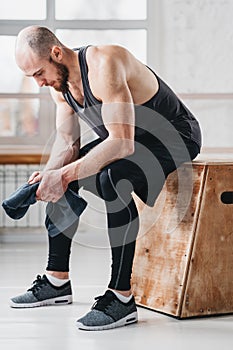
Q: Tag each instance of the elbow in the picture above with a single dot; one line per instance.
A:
(121, 147)
(127, 148)
(75, 153)
(130, 150)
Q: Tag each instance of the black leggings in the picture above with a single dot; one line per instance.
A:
(115, 184)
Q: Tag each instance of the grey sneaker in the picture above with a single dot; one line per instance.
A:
(109, 312)
(43, 293)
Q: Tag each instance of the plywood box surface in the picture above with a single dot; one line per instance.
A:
(183, 264)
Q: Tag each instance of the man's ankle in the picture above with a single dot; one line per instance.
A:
(58, 274)
(125, 293)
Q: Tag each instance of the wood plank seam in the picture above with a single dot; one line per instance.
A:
(190, 253)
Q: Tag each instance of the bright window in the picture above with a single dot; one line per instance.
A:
(27, 113)
(23, 9)
(101, 10)
(12, 79)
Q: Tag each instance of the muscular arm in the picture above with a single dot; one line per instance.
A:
(66, 145)
(118, 117)
(109, 83)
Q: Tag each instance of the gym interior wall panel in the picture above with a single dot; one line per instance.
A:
(215, 117)
(197, 45)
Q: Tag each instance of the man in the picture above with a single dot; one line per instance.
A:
(145, 132)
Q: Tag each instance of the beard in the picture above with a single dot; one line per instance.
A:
(63, 76)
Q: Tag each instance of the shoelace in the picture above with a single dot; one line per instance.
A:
(37, 284)
(102, 302)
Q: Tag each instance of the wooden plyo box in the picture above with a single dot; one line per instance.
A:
(183, 264)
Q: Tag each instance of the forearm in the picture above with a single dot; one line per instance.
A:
(103, 154)
(62, 153)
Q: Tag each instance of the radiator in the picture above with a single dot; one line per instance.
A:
(11, 177)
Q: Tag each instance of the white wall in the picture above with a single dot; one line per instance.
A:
(196, 40)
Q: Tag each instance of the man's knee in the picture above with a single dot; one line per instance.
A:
(113, 186)
(106, 185)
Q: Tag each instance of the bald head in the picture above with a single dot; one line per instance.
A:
(39, 39)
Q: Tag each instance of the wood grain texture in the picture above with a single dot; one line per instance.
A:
(164, 246)
(209, 289)
(23, 158)
(183, 264)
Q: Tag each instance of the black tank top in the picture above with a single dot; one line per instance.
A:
(164, 103)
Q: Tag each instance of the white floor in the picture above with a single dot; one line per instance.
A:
(54, 327)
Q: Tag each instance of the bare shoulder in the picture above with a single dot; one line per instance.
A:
(109, 68)
(109, 61)
(113, 68)
(107, 54)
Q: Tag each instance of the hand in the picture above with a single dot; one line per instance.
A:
(35, 177)
(52, 186)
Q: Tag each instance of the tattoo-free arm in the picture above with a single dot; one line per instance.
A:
(118, 118)
(67, 142)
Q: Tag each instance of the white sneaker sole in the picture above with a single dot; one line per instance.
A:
(64, 300)
(129, 319)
